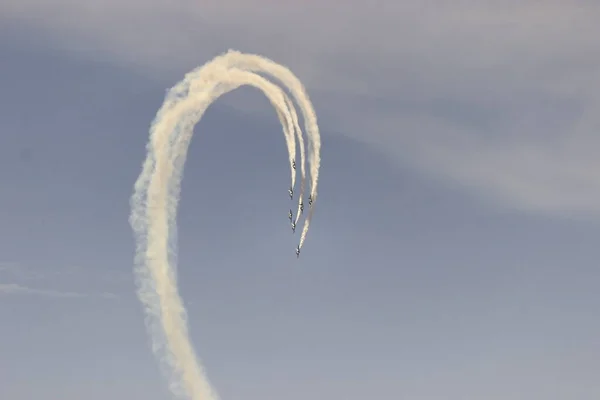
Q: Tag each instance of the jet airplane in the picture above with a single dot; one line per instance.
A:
(290, 215)
(298, 251)
(293, 227)
(294, 164)
(301, 207)
(291, 192)
(310, 200)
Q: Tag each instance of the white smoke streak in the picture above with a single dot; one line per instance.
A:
(256, 63)
(156, 196)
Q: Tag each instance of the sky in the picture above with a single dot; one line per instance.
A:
(451, 255)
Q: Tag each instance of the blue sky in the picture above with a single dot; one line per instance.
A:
(452, 251)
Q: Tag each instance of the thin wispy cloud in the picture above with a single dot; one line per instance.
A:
(27, 273)
(20, 273)
(16, 289)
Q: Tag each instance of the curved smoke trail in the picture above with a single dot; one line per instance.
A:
(256, 63)
(156, 197)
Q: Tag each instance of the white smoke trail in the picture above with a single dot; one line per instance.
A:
(156, 196)
(290, 143)
(302, 156)
(251, 62)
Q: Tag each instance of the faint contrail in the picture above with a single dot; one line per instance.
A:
(156, 196)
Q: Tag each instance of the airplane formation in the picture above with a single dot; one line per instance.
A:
(291, 215)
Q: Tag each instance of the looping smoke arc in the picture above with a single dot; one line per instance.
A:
(156, 196)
